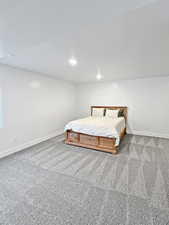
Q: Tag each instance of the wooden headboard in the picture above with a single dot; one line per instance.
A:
(124, 108)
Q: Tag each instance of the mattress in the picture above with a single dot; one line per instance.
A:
(98, 126)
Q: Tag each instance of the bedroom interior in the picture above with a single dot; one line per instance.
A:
(84, 125)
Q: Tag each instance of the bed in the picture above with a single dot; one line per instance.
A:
(98, 132)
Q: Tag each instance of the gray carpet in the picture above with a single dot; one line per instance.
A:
(53, 183)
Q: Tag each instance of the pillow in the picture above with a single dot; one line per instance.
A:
(113, 113)
(98, 112)
(121, 113)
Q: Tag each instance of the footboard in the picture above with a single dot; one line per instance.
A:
(93, 142)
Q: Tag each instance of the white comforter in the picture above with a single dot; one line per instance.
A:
(98, 126)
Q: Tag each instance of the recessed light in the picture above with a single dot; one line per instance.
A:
(10, 55)
(73, 61)
(99, 76)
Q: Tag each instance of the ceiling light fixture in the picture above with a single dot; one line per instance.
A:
(10, 55)
(73, 61)
(99, 76)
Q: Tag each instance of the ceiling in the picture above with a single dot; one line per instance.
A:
(124, 39)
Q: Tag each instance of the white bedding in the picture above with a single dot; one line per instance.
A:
(98, 126)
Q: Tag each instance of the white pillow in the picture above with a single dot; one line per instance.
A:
(98, 112)
(112, 113)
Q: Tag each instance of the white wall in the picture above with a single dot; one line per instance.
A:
(147, 101)
(33, 108)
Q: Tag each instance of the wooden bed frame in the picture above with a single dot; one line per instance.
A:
(96, 142)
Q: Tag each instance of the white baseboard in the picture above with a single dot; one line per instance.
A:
(29, 144)
(147, 133)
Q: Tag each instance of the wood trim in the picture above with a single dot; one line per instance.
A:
(92, 147)
(93, 142)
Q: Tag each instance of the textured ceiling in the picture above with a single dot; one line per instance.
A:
(125, 39)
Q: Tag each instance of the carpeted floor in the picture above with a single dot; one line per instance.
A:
(53, 183)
